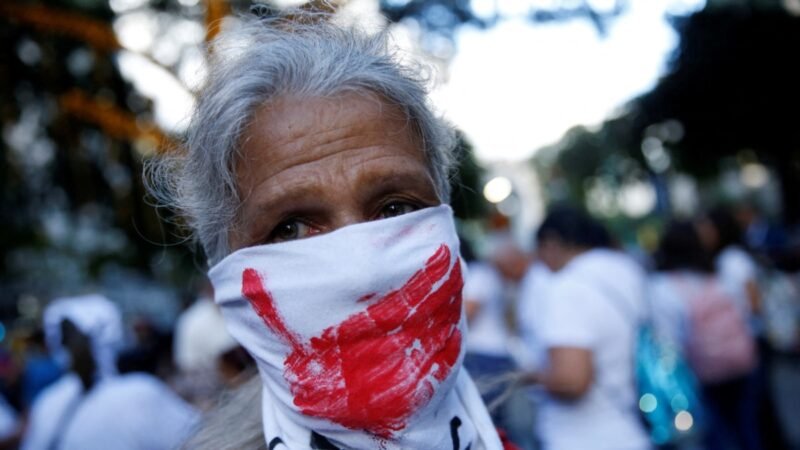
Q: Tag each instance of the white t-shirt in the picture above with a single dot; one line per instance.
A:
(47, 412)
(735, 268)
(130, 412)
(669, 302)
(487, 332)
(594, 303)
(532, 292)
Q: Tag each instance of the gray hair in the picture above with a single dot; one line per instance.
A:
(234, 423)
(259, 61)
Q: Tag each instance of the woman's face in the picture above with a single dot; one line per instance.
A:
(312, 165)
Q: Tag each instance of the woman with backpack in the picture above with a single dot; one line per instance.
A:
(692, 308)
(583, 332)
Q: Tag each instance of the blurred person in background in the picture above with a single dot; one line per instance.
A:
(484, 302)
(512, 262)
(40, 368)
(585, 329)
(73, 349)
(737, 270)
(91, 407)
(490, 289)
(316, 180)
(10, 426)
(205, 353)
(10, 418)
(532, 291)
(757, 232)
(150, 352)
(743, 245)
(693, 308)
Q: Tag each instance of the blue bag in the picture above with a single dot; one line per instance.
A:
(669, 394)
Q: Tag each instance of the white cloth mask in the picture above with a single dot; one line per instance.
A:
(358, 336)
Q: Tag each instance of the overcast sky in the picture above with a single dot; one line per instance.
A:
(520, 86)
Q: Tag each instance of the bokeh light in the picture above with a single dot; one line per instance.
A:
(684, 421)
(648, 403)
(497, 189)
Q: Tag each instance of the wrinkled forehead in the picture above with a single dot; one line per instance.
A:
(294, 130)
(287, 118)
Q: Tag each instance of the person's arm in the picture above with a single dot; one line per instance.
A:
(569, 375)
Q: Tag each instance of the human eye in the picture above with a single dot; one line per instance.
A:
(396, 208)
(290, 230)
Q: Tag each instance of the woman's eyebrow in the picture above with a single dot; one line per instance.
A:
(405, 179)
(267, 204)
(271, 194)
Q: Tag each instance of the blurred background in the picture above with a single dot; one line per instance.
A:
(641, 111)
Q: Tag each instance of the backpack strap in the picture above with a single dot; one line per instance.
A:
(621, 305)
(617, 300)
(66, 419)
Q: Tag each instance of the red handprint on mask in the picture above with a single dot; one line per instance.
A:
(375, 369)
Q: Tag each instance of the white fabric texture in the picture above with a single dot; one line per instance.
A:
(95, 316)
(579, 310)
(48, 412)
(201, 337)
(357, 335)
(129, 412)
(487, 333)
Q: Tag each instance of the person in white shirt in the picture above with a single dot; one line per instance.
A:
(585, 330)
(84, 333)
(485, 308)
(490, 288)
(694, 309)
(91, 407)
(132, 412)
(200, 344)
(737, 270)
(532, 292)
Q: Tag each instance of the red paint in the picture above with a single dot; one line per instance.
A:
(366, 297)
(372, 371)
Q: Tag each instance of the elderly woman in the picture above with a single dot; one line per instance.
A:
(315, 179)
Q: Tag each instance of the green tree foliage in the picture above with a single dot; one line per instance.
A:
(72, 194)
(732, 85)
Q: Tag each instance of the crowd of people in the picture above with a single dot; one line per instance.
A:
(88, 380)
(705, 295)
(551, 341)
(344, 311)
